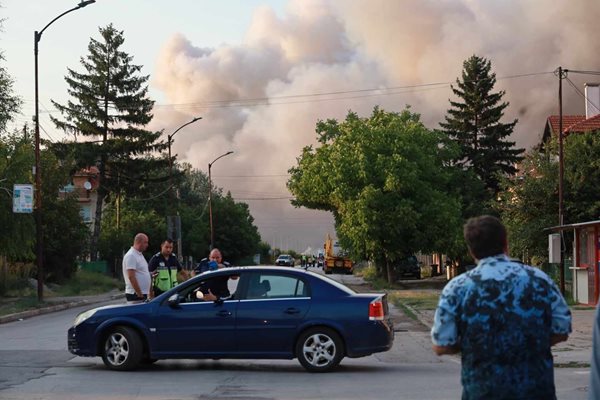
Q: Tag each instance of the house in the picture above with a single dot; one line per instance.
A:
(84, 188)
(577, 123)
(586, 260)
(583, 273)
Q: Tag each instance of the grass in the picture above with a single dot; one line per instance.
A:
(11, 306)
(572, 364)
(83, 283)
(416, 299)
(86, 283)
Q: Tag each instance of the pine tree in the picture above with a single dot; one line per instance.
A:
(474, 123)
(110, 108)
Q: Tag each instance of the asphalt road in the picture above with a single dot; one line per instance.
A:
(35, 364)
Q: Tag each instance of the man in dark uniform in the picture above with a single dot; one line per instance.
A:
(163, 267)
(215, 288)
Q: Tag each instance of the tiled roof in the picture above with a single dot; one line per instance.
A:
(568, 121)
(590, 124)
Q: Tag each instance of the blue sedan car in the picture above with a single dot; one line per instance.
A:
(272, 313)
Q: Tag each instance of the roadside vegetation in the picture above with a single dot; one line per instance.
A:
(22, 296)
(408, 300)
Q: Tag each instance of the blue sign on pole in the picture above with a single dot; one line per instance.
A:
(22, 199)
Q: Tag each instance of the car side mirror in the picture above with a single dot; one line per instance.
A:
(174, 300)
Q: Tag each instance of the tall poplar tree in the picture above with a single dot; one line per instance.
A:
(474, 123)
(109, 107)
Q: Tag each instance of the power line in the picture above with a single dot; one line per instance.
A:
(574, 71)
(47, 134)
(581, 93)
(381, 91)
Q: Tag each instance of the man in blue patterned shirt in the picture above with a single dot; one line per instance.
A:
(503, 316)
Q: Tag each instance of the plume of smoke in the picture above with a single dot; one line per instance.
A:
(339, 46)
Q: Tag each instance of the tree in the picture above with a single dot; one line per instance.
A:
(385, 178)
(9, 104)
(110, 106)
(474, 124)
(17, 236)
(235, 232)
(529, 203)
(65, 234)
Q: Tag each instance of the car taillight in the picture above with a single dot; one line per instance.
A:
(376, 312)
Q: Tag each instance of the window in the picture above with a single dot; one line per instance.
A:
(86, 214)
(223, 286)
(271, 286)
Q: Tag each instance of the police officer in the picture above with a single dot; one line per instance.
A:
(215, 288)
(163, 267)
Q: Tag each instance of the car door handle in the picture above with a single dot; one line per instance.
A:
(224, 313)
(292, 310)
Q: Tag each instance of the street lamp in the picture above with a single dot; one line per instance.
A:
(37, 36)
(212, 231)
(169, 141)
(176, 220)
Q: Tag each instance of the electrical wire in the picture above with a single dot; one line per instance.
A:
(381, 91)
(581, 93)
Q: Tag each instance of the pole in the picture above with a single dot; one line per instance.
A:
(561, 181)
(39, 249)
(178, 250)
(212, 231)
(170, 164)
(39, 233)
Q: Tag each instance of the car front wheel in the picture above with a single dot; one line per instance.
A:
(123, 349)
(319, 349)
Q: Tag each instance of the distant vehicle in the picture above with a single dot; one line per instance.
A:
(286, 260)
(336, 258)
(408, 266)
(274, 313)
(320, 259)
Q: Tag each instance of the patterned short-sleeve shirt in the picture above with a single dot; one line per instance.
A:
(502, 315)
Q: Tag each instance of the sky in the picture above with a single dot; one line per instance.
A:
(262, 73)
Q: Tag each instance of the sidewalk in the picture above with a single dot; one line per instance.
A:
(576, 352)
(63, 303)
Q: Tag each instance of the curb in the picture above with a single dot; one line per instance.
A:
(58, 307)
(420, 318)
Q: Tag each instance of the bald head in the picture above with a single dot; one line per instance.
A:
(140, 242)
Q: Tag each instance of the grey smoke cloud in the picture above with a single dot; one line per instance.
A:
(322, 46)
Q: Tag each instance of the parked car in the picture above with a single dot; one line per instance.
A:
(408, 266)
(274, 313)
(286, 260)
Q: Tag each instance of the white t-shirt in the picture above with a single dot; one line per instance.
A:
(134, 259)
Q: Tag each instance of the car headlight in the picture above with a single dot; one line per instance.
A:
(83, 316)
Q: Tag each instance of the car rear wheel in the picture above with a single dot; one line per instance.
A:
(319, 349)
(123, 349)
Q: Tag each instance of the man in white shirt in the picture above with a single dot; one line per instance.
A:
(135, 271)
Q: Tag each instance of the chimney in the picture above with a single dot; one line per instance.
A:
(592, 99)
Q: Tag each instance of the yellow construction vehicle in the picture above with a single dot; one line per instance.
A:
(336, 259)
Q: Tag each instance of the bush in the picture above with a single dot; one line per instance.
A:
(14, 278)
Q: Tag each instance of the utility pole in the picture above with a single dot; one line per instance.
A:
(561, 221)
